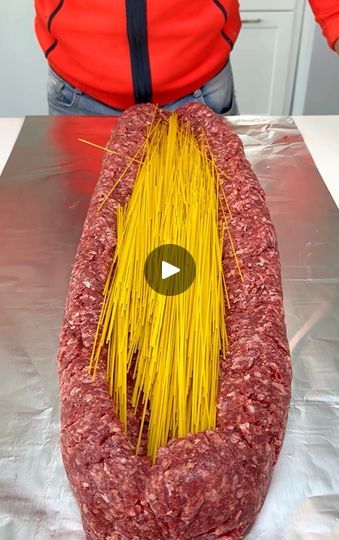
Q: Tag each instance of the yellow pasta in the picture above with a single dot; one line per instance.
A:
(170, 345)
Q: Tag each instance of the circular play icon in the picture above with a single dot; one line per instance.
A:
(170, 269)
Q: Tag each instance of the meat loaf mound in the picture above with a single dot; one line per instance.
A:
(211, 484)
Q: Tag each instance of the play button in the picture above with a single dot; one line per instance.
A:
(170, 269)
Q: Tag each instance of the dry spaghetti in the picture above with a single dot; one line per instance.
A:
(170, 345)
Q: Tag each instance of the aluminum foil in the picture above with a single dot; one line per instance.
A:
(44, 195)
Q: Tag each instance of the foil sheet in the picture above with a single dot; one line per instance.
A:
(44, 195)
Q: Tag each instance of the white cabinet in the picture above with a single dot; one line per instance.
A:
(267, 5)
(264, 57)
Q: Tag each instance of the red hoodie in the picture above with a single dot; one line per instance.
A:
(123, 52)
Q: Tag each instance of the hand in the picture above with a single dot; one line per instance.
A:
(336, 46)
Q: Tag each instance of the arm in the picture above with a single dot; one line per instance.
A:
(326, 13)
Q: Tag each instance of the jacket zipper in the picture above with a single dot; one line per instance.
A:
(228, 39)
(49, 24)
(222, 8)
(136, 16)
(53, 14)
(224, 12)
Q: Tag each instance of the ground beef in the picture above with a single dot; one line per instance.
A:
(208, 485)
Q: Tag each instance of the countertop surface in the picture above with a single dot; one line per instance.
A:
(321, 135)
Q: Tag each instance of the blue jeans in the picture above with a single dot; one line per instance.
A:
(217, 93)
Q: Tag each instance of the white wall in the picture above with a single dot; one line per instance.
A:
(322, 92)
(23, 69)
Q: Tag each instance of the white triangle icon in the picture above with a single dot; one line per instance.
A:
(168, 270)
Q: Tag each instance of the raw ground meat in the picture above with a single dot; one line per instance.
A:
(208, 485)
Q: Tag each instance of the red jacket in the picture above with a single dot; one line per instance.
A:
(123, 52)
(326, 13)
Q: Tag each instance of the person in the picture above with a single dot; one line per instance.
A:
(105, 55)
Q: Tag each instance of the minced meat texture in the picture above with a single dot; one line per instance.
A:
(211, 484)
